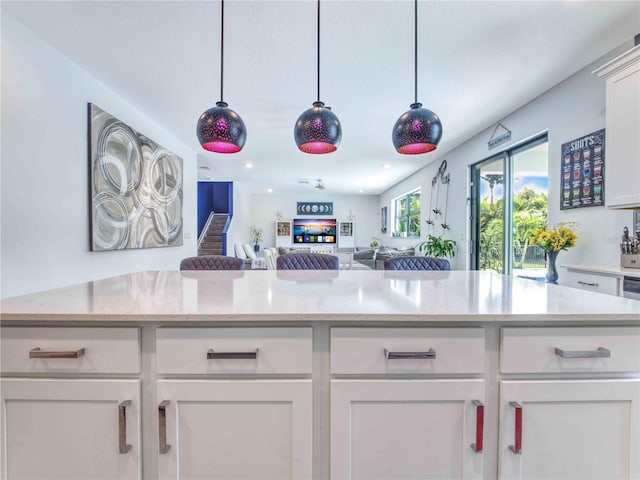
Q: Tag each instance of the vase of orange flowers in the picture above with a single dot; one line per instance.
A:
(552, 241)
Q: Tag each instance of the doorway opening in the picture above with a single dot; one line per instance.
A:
(509, 201)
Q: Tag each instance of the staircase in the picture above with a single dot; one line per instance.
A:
(211, 239)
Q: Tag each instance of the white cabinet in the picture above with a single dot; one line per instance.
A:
(406, 429)
(568, 427)
(223, 429)
(244, 425)
(346, 239)
(283, 234)
(589, 350)
(60, 424)
(593, 282)
(394, 427)
(582, 429)
(71, 429)
(622, 187)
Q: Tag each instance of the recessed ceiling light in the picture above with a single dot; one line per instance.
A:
(269, 190)
(386, 165)
(361, 190)
(248, 165)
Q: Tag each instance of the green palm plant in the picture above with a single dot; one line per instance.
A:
(437, 247)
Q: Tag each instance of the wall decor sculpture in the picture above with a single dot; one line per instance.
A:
(383, 220)
(135, 187)
(315, 208)
(439, 213)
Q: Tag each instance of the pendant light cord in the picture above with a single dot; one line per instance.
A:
(415, 51)
(318, 50)
(221, 50)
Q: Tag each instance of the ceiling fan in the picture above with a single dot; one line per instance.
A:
(319, 185)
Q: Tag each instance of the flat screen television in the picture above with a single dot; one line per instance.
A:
(314, 230)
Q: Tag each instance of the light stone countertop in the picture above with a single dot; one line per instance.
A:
(338, 296)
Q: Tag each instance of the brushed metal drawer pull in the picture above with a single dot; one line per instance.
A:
(37, 353)
(588, 284)
(122, 427)
(211, 355)
(162, 426)
(477, 447)
(429, 354)
(516, 448)
(599, 353)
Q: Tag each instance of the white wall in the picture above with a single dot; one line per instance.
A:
(239, 229)
(45, 193)
(363, 209)
(569, 110)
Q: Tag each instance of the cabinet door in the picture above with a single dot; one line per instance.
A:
(623, 142)
(345, 235)
(70, 429)
(236, 429)
(283, 233)
(580, 429)
(397, 429)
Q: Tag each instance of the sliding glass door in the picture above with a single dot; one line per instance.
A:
(509, 201)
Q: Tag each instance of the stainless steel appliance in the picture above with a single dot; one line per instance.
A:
(631, 287)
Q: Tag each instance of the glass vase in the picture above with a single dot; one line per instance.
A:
(552, 271)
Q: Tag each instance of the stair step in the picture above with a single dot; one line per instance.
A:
(209, 252)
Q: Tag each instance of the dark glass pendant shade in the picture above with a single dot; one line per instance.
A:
(221, 130)
(318, 130)
(418, 130)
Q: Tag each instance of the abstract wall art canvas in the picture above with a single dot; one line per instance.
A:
(135, 187)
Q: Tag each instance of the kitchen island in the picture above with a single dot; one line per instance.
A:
(320, 374)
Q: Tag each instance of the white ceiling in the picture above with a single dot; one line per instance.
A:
(478, 61)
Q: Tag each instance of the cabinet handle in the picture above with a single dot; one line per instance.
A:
(162, 426)
(122, 427)
(211, 355)
(588, 284)
(517, 447)
(429, 354)
(477, 447)
(37, 353)
(599, 353)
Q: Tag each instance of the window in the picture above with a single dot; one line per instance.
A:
(509, 198)
(407, 215)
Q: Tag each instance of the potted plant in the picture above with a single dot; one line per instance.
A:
(552, 241)
(375, 243)
(256, 233)
(437, 247)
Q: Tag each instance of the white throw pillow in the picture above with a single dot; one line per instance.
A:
(239, 251)
(248, 249)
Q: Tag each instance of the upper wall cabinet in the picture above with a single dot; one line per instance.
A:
(622, 179)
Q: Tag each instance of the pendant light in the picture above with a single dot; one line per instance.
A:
(220, 129)
(418, 130)
(318, 129)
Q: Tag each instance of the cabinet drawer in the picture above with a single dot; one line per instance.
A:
(389, 350)
(533, 350)
(234, 350)
(70, 350)
(591, 282)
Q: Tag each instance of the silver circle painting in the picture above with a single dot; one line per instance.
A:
(136, 188)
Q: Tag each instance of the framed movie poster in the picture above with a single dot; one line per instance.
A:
(582, 181)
